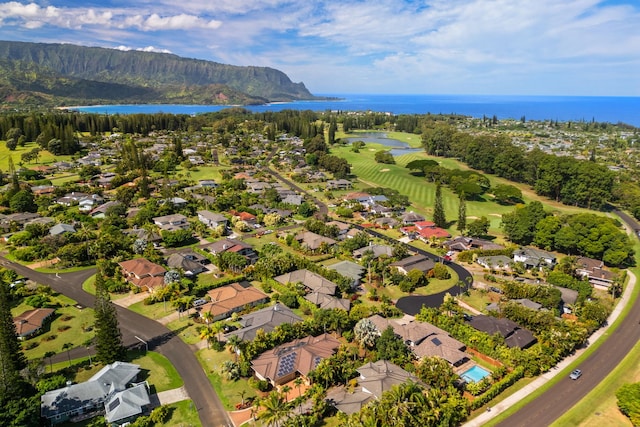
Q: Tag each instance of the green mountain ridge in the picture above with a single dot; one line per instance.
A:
(64, 74)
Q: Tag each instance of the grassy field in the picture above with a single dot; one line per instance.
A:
(228, 391)
(422, 193)
(45, 156)
(70, 325)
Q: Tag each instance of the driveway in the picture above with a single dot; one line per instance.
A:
(158, 338)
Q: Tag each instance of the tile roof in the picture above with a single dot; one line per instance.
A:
(301, 356)
(227, 299)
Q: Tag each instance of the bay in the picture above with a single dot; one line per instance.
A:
(561, 108)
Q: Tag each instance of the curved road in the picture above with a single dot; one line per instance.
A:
(548, 407)
(158, 337)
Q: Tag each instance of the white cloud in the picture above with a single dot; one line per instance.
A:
(142, 49)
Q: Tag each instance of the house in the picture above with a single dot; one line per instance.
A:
(247, 217)
(237, 246)
(375, 251)
(415, 262)
(181, 262)
(207, 183)
(349, 269)
(343, 228)
(171, 222)
(462, 243)
(425, 230)
(59, 229)
(375, 379)
(299, 357)
(72, 198)
(313, 241)
(101, 211)
(31, 322)
(514, 335)
(232, 298)
(497, 262)
(178, 202)
(410, 218)
(41, 190)
(386, 222)
(18, 218)
(212, 219)
(424, 339)
(339, 184)
(313, 282)
(293, 199)
(257, 187)
(142, 233)
(266, 319)
(534, 258)
(320, 291)
(142, 273)
(112, 390)
(594, 271)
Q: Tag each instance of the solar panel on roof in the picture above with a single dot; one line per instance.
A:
(316, 361)
(113, 405)
(436, 341)
(286, 365)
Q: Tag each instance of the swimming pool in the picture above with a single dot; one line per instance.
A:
(475, 374)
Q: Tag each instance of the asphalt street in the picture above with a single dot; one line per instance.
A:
(548, 407)
(132, 325)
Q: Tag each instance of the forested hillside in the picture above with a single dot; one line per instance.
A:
(38, 73)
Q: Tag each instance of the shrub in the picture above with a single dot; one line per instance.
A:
(63, 328)
(629, 401)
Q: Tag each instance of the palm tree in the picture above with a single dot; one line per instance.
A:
(207, 334)
(285, 390)
(67, 346)
(298, 383)
(49, 355)
(207, 316)
(242, 394)
(233, 343)
(275, 409)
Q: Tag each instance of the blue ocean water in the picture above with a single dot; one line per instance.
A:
(561, 108)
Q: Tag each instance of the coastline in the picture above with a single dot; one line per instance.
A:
(577, 109)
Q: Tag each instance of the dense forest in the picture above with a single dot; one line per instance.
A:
(61, 74)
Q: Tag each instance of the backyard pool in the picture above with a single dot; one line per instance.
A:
(474, 374)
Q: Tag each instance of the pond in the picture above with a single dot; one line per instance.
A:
(398, 148)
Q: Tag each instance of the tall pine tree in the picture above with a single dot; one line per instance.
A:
(462, 214)
(12, 359)
(109, 347)
(438, 209)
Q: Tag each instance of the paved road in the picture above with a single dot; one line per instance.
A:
(158, 337)
(544, 410)
(413, 303)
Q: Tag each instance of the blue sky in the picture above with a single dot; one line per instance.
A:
(537, 47)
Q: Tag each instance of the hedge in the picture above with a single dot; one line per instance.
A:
(497, 388)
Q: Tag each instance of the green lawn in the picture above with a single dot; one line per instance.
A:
(70, 325)
(203, 172)
(45, 156)
(183, 414)
(186, 329)
(228, 391)
(422, 193)
(89, 287)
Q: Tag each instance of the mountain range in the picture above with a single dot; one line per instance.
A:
(44, 74)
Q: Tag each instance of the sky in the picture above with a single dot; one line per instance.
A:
(494, 47)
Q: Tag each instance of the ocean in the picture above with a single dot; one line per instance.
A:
(560, 108)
